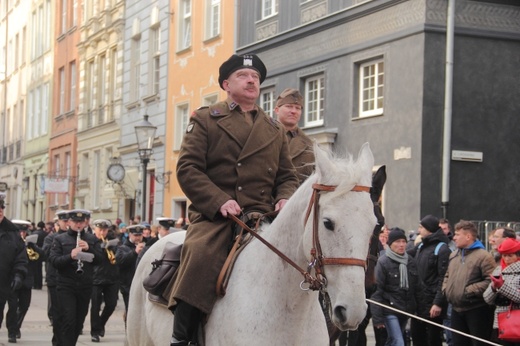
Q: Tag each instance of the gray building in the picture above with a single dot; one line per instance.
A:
(144, 93)
(375, 71)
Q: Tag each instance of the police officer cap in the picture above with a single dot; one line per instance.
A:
(79, 214)
(237, 62)
(135, 229)
(62, 214)
(102, 223)
(289, 96)
(22, 225)
(166, 222)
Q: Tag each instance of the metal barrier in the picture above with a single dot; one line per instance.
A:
(486, 227)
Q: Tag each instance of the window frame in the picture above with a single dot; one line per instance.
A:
(271, 6)
(212, 19)
(181, 121)
(318, 100)
(378, 88)
(185, 25)
(267, 105)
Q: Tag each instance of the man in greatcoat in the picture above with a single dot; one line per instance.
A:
(288, 110)
(234, 158)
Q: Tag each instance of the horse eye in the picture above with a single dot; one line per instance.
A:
(329, 224)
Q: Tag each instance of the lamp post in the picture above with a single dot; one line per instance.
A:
(145, 133)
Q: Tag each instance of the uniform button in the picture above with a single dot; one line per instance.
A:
(262, 192)
(269, 170)
(239, 188)
(239, 164)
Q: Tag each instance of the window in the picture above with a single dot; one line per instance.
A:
(56, 174)
(371, 87)
(83, 172)
(181, 122)
(314, 100)
(24, 37)
(68, 172)
(74, 12)
(212, 18)
(37, 113)
(61, 74)
(267, 101)
(89, 94)
(17, 51)
(45, 109)
(135, 77)
(72, 95)
(30, 115)
(95, 179)
(101, 88)
(184, 38)
(269, 8)
(63, 16)
(155, 59)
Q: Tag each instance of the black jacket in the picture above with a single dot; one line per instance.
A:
(432, 269)
(389, 292)
(60, 258)
(106, 273)
(126, 258)
(50, 272)
(13, 256)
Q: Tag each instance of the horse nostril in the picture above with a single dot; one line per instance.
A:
(341, 314)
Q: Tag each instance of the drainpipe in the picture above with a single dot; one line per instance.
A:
(448, 100)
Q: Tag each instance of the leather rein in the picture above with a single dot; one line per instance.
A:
(318, 261)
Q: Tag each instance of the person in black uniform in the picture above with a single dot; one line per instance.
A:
(20, 300)
(106, 282)
(13, 266)
(126, 258)
(36, 267)
(62, 219)
(75, 267)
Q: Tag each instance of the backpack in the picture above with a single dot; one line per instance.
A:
(437, 248)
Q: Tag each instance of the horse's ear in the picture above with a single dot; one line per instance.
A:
(378, 181)
(366, 159)
(322, 161)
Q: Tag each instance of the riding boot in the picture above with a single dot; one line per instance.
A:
(185, 324)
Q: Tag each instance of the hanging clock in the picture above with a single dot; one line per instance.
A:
(116, 172)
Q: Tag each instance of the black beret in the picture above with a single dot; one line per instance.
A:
(79, 214)
(237, 62)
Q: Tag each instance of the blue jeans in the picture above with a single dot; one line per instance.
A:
(395, 326)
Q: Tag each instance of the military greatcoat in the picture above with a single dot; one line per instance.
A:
(302, 153)
(222, 157)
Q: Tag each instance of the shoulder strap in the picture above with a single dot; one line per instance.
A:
(438, 247)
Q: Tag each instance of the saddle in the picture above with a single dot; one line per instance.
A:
(163, 269)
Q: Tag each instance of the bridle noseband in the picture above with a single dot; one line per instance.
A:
(318, 261)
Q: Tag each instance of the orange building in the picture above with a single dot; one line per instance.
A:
(201, 39)
(63, 143)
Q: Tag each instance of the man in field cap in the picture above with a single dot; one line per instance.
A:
(233, 158)
(288, 110)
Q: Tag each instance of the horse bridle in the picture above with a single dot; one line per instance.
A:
(318, 261)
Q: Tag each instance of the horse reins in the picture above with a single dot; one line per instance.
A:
(318, 261)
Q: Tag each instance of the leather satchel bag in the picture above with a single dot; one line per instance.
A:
(163, 269)
(509, 325)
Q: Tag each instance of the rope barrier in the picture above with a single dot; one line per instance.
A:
(430, 322)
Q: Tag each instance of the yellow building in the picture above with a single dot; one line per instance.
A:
(201, 38)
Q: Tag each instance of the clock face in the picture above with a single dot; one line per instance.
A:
(116, 172)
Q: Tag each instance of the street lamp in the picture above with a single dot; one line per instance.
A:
(145, 133)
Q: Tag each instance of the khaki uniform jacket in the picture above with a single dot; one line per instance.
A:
(223, 158)
(302, 153)
(467, 278)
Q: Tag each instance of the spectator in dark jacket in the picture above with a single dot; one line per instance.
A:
(36, 267)
(397, 287)
(432, 257)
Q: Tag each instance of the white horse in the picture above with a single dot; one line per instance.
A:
(264, 302)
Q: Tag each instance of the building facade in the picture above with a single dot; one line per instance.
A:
(145, 66)
(197, 51)
(100, 105)
(13, 92)
(374, 71)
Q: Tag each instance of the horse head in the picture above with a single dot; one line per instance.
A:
(345, 223)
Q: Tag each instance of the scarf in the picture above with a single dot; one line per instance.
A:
(403, 270)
